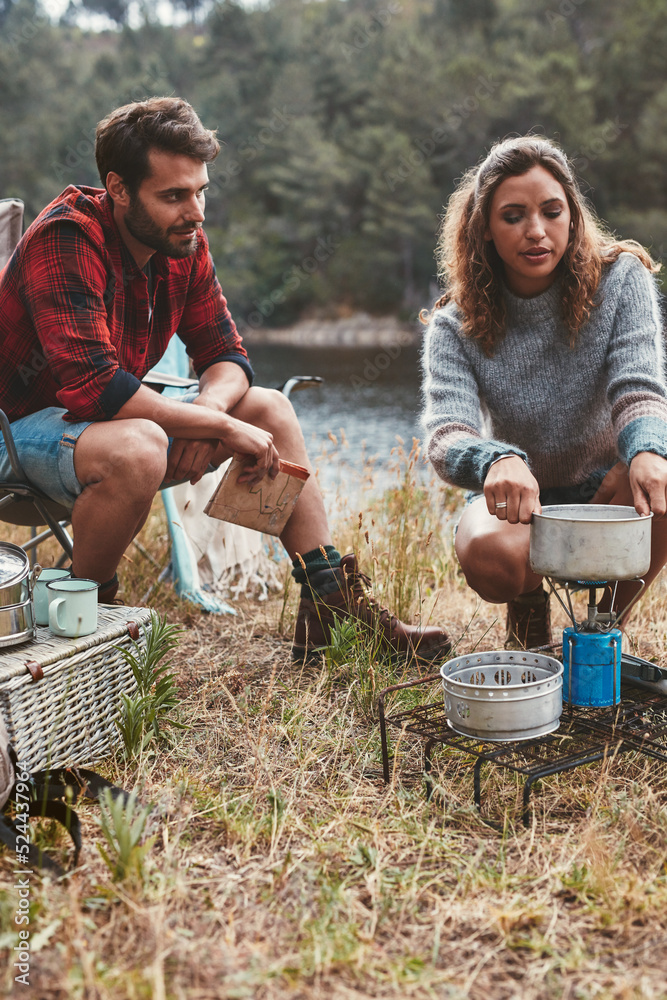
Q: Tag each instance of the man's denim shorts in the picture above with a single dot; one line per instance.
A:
(45, 445)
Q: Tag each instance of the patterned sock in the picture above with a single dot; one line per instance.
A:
(314, 562)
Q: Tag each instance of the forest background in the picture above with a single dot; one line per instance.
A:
(345, 123)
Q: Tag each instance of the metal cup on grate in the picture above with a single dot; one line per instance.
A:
(503, 696)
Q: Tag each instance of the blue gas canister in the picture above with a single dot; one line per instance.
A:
(592, 667)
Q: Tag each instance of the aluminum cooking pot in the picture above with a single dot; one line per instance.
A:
(16, 577)
(590, 542)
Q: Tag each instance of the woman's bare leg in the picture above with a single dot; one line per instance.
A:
(628, 591)
(494, 555)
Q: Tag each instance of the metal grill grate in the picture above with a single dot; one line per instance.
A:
(639, 724)
(585, 736)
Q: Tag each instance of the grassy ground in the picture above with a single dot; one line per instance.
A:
(277, 864)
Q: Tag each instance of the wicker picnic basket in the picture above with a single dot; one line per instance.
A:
(60, 697)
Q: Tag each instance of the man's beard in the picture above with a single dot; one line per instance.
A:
(143, 227)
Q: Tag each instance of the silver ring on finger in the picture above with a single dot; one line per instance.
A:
(501, 506)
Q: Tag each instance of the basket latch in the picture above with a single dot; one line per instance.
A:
(34, 669)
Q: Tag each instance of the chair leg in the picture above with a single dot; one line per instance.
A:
(55, 528)
(62, 537)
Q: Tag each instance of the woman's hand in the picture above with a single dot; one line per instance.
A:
(511, 490)
(648, 481)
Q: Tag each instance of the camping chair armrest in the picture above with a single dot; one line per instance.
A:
(297, 382)
(162, 380)
(12, 454)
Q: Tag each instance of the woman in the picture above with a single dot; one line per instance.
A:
(543, 371)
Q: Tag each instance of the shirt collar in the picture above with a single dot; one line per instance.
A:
(160, 263)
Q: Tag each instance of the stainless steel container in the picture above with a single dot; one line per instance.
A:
(16, 581)
(16, 624)
(503, 696)
(15, 574)
(590, 542)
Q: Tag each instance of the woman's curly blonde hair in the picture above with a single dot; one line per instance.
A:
(469, 267)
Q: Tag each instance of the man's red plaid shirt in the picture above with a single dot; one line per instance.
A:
(76, 326)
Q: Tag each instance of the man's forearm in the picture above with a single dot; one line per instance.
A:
(222, 386)
(178, 420)
(201, 423)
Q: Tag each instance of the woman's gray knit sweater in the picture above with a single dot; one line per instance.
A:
(567, 411)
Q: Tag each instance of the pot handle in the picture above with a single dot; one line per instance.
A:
(32, 579)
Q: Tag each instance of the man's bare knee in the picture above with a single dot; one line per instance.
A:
(129, 453)
(266, 408)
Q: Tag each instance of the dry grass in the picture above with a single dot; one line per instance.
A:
(282, 866)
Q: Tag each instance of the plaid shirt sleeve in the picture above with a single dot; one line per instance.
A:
(63, 288)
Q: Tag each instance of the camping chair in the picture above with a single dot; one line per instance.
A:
(21, 503)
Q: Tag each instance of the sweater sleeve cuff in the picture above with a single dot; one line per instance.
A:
(466, 461)
(643, 434)
(237, 359)
(496, 452)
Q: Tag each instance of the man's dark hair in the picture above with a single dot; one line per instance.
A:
(124, 138)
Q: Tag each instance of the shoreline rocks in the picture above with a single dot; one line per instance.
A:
(358, 330)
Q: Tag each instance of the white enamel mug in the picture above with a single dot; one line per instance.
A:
(72, 607)
(40, 594)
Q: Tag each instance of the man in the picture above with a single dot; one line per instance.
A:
(88, 303)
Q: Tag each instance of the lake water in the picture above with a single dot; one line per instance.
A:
(368, 401)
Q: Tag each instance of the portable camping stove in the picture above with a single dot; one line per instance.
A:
(592, 652)
(591, 546)
(599, 721)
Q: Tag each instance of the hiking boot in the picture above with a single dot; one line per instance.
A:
(529, 620)
(106, 593)
(345, 593)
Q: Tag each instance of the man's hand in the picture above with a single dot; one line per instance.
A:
(221, 386)
(258, 448)
(511, 490)
(648, 481)
(189, 459)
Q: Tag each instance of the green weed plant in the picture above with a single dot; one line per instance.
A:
(123, 822)
(144, 715)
